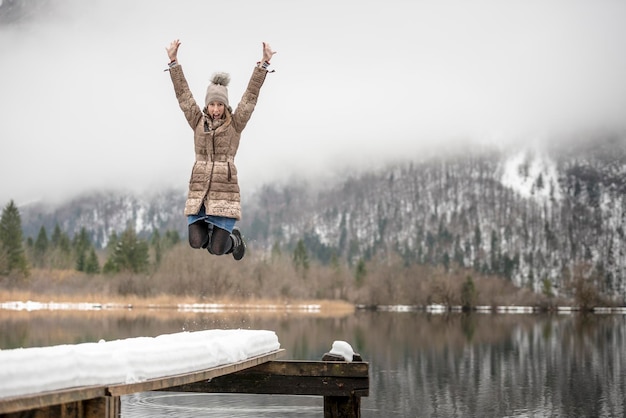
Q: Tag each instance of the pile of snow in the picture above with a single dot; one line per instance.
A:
(26, 371)
(342, 349)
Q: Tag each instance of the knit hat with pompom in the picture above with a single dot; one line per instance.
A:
(217, 90)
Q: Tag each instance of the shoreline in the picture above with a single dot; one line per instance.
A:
(29, 301)
(33, 301)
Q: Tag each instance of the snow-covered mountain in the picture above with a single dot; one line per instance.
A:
(102, 213)
(532, 215)
(554, 215)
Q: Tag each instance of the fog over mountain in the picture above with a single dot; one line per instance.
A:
(552, 218)
(86, 105)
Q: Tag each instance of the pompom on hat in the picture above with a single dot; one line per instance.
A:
(217, 90)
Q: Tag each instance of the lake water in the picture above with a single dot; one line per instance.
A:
(421, 365)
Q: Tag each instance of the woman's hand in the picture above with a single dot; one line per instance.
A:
(172, 50)
(267, 52)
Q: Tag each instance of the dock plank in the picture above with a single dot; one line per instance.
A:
(192, 377)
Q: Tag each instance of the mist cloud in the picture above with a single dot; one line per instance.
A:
(85, 103)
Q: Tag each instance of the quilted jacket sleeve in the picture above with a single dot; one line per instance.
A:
(246, 106)
(188, 105)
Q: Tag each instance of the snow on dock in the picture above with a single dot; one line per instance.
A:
(26, 371)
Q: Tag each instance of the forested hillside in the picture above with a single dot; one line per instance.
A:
(546, 219)
(550, 219)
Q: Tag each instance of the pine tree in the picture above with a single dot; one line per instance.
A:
(109, 266)
(92, 266)
(495, 252)
(81, 244)
(130, 254)
(171, 238)
(468, 293)
(477, 242)
(156, 244)
(61, 254)
(40, 247)
(81, 261)
(112, 243)
(301, 257)
(56, 236)
(360, 273)
(11, 241)
(81, 241)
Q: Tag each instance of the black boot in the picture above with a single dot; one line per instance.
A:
(239, 246)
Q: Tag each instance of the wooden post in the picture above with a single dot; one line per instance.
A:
(68, 403)
(101, 407)
(342, 406)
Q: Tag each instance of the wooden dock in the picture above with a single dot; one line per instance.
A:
(342, 384)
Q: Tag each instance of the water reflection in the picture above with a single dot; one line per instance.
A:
(421, 365)
(190, 405)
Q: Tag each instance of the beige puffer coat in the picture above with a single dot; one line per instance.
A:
(214, 175)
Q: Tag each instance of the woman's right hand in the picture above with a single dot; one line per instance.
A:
(172, 50)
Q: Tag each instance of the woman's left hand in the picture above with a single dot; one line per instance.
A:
(267, 52)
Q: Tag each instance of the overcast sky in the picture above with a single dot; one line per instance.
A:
(85, 103)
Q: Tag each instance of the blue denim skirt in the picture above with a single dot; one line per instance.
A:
(219, 221)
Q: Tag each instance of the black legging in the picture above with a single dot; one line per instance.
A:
(215, 239)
